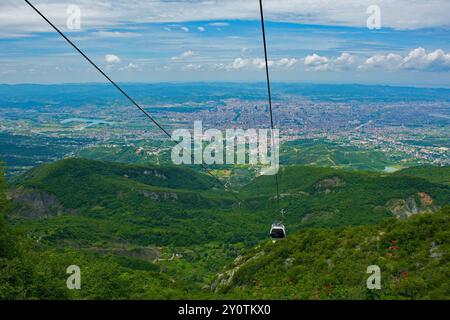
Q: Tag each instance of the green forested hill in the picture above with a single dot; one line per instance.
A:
(86, 202)
(93, 203)
(163, 232)
(60, 175)
(430, 173)
(326, 197)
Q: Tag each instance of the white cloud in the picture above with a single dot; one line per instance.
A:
(111, 59)
(345, 61)
(317, 63)
(419, 59)
(185, 29)
(257, 63)
(201, 29)
(191, 67)
(261, 63)
(219, 24)
(388, 62)
(18, 18)
(186, 54)
(239, 63)
(286, 63)
(130, 67)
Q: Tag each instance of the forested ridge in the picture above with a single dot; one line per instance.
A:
(149, 232)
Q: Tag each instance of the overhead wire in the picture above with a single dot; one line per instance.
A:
(269, 96)
(152, 119)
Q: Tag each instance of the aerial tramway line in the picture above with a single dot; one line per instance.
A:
(277, 230)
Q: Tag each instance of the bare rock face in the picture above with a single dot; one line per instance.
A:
(36, 204)
(155, 173)
(150, 254)
(435, 252)
(405, 208)
(329, 185)
(425, 199)
(159, 196)
(223, 280)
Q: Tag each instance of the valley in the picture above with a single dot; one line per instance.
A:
(364, 180)
(357, 127)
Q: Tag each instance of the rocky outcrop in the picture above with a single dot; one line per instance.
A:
(155, 173)
(435, 251)
(329, 185)
(36, 204)
(159, 196)
(425, 199)
(405, 208)
(144, 253)
(223, 280)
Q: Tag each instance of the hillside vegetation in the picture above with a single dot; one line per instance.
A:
(413, 256)
(151, 232)
(433, 174)
(326, 197)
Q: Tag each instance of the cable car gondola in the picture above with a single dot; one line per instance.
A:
(277, 231)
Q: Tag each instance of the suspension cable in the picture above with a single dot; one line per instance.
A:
(124, 93)
(269, 95)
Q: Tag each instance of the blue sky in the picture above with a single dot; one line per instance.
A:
(198, 40)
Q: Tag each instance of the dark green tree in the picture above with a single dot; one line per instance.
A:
(3, 200)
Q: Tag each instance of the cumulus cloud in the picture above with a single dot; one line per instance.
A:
(345, 61)
(261, 63)
(388, 62)
(258, 63)
(239, 63)
(112, 59)
(420, 59)
(417, 60)
(287, 63)
(316, 62)
(130, 67)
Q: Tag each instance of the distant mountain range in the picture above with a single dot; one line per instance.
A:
(103, 94)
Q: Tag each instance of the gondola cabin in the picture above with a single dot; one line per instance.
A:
(277, 231)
